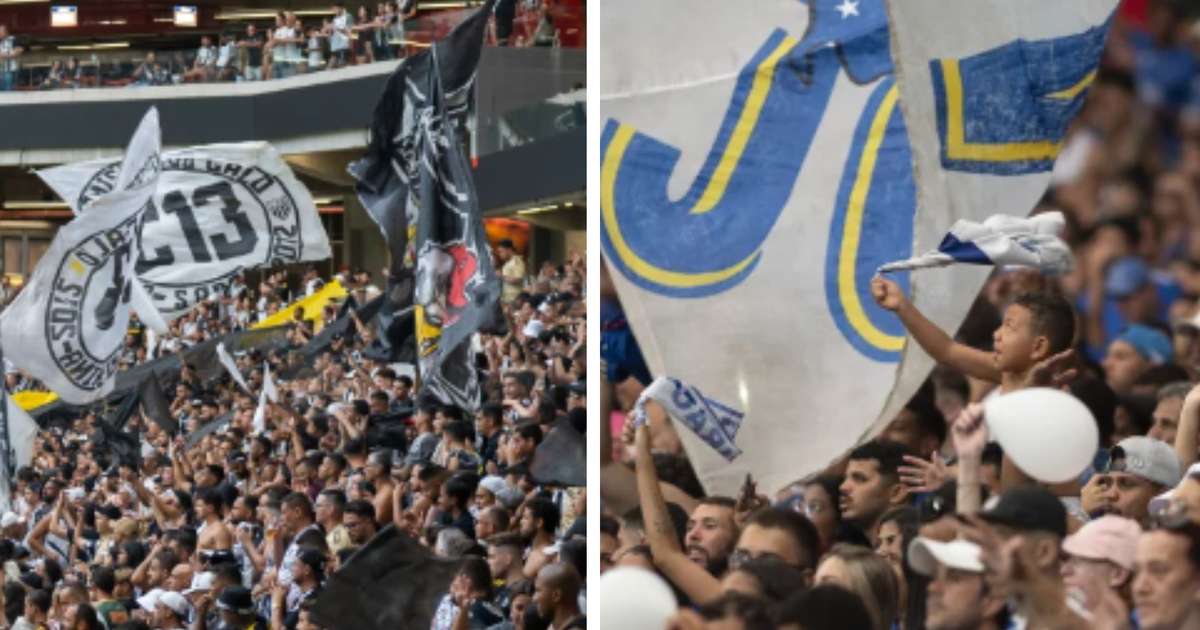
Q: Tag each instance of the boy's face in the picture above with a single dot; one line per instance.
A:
(1014, 342)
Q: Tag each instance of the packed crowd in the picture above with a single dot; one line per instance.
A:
(284, 49)
(932, 524)
(238, 521)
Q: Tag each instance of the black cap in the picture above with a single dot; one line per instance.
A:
(236, 599)
(578, 388)
(111, 512)
(1029, 508)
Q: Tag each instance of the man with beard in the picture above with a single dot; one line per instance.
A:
(504, 559)
(556, 595)
(538, 524)
(1139, 469)
(359, 519)
(711, 533)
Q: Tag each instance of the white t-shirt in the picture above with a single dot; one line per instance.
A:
(285, 53)
(339, 39)
(206, 55)
(224, 55)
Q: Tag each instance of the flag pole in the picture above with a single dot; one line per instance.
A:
(6, 470)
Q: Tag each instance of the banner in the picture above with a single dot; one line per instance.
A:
(67, 327)
(416, 172)
(218, 209)
(754, 176)
(310, 307)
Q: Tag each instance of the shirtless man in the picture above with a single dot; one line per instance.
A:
(214, 534)
(378, 472)
(538, 524)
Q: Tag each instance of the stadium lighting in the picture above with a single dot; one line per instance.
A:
(3, 2)
(34, 205)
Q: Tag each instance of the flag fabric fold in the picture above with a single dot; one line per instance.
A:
(391, 582)
(155, 405)
(415, 182)
(1000, 240)
(67, 327)
(231, 367)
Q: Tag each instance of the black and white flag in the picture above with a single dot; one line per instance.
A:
(416, 180)
(218, 209)
(67, 327)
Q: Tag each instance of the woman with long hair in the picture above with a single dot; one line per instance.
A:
(897, 529)
(866, 574)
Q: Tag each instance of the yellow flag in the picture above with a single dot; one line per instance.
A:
(31, 399)
(311, 306)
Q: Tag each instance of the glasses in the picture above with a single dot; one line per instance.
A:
(740, 557)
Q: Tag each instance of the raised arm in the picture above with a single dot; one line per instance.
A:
(932, 339)
(690, 577)
(1186, 431)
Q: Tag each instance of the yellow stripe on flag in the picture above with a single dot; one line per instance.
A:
(311, 307)
(31, 399)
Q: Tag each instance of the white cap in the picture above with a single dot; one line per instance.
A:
(533, 328)
(925, 554)
(150, 600)
(1148, 458)
(9, 519)
(493, 484)
(1157, 503)
(175, 602)
(201, 582)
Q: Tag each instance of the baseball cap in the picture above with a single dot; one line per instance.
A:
(1146, 457)
(1029, 508)
(1110, 537)
(1152, 344)
(1156, 504)
(236, 599)
(174, 601)
(150, 599)
(493, 484)
(925, 554)
(1125, 276)
(201, 582)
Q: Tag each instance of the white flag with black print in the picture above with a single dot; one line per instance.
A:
(67, 327)
(218, 209)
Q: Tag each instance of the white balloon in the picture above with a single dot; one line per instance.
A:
(634, 599)
(1048, 434)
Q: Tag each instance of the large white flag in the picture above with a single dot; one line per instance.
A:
(67, 326)
(756, 170)
(218, 209)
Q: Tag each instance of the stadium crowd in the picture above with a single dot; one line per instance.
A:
(287, 47)
(238, 521)
(931, 524)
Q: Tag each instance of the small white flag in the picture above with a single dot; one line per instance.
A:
(1000, 240)
(231, 367)
(269, 389)
(260, 414)
(712, 421)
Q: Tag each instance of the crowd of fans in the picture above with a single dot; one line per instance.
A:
(931, 524)
(241, 526)
(288, 47)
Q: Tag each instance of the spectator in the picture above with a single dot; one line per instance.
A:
(339, 36)
(10, 54)
(204, 68)
(363, 36)
(252, 46)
